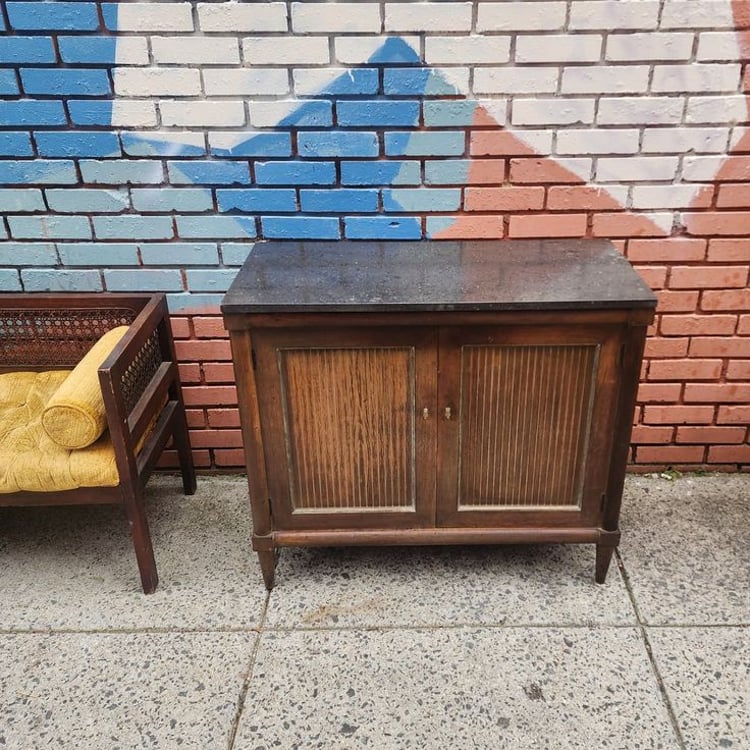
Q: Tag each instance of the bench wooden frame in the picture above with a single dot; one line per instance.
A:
(140, 384)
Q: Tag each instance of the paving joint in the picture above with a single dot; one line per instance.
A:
(248, 676)
(649, 652)
(455, 626)
(125, 631)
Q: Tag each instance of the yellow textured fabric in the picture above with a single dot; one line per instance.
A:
(75, 416)
(29, 459)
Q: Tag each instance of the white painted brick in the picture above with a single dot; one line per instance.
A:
(684, 140)
(738, 134)
(228, 139)
(353, 50)
(637, 168)
(269, 114)
(458, 78)
(609, 79)
(615, 191)
(311, 81)
(593, 141)
(515, 80)
(583, 167)
(241, 17)
(245, 81)
(560, 48)
(718, 45)
(202, 113)
(701, 168)
(663, 220)
(716, 109)
(521, 16)
(539, 140)
(676, 45)
(496, 108)
(614, 14)
(637, 110)
(311, 50)
(174, 138)
(335, 17)
(131, 50)
(696, 77)
(211, 50)
(467, 49)
(694, 14)
(437, 16)
(154, 17)
(662, 196)
(133, 114)
(157, 82)
(553, 111)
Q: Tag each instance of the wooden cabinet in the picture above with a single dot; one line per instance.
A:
(429, 393)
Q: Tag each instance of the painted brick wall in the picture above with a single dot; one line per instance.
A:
(147, 145)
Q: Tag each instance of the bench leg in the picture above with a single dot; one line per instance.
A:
(184, 452)
(144, 551)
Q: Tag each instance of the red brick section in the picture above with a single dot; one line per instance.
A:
(509, 198)
(702, 307)
(484, 226)
(209, 391)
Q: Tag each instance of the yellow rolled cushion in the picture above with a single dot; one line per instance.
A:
(74, 417)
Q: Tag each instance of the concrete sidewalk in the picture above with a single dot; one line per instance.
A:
(487, 647)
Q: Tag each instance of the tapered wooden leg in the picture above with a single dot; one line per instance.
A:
(184, 451)
(267, 559)
(144, 551)
(603, 558)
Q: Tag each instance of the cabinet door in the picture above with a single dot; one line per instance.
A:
(526, 420)
(348, 426)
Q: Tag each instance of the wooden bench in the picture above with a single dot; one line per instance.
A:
(140, 388)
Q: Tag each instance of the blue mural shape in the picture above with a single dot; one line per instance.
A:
(346, 162)
(339, 168)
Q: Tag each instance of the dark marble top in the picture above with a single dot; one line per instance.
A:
(340, 276)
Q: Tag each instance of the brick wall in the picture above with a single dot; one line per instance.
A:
(146, 146)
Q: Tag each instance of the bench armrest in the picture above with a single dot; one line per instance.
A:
(140, 386)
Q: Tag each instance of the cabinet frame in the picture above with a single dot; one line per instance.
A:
(253, 333)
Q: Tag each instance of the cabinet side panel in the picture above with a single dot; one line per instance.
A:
(349, 428)
(525, 419)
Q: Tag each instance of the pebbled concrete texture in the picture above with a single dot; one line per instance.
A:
(73, 568)
(706, 672)
(121, 690)
(514, 687)
(376, 648)
(686, 549)
(439, 586)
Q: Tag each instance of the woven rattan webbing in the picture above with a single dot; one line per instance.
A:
(140, 371)
(54, 338)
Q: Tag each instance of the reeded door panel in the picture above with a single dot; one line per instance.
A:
(349, 442)
(523, 439)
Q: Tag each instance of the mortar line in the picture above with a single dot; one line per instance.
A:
(248, 676)
(649, 652)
